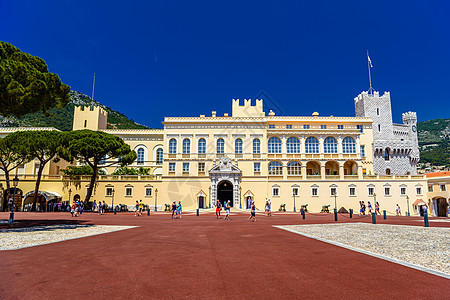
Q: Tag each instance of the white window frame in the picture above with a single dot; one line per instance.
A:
(276, 188)
(442, 187)
(389, 189)
(368, 190)
(421, 190)
(109, 191)
(295, 190)
(128, 188)
(406, 190)
(350, 187)
(315, 188)
(186, 168)
(148, 188)
(172, 164)
(333, 188)
(257, 170)
(201, 170)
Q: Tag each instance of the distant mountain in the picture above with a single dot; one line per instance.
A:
(62, 119)
(434, 142)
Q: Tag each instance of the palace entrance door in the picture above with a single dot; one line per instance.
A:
(225, 192)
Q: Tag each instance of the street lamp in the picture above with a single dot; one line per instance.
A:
(1, 196)
(240, 197)
(11, 215)
(407, 201)
(112, 200)
(156, 200)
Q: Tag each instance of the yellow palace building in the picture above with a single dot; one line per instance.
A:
(250, 155)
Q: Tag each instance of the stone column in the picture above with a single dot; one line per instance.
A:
(360, 173)
(322, 170)
(303, 171)
(341, 170)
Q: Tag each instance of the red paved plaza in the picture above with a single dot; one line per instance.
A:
(202, 257)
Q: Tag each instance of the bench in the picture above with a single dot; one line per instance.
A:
(325, 209)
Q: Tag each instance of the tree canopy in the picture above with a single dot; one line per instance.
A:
(93, 148)
(41, 144)
(81, 171)
(26, 85)
(132, 171)
(10, 158)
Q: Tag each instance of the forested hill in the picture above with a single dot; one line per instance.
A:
(62, 119)
(434, 142)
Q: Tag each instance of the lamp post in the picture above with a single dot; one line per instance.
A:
(1, 196)
(156, 199)
(112, 200)
(11, 215)
(407, 201)
(335, 204)
(240, 197)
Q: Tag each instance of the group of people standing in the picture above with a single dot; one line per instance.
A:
(176, 210)
(362, 210)
(227, 205)
(101, 207)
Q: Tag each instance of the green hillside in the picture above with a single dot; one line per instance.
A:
(434, 142)
(62, 119)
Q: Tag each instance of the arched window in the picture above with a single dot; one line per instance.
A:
(256, 146)
(293, 145)
(186, 146)
(330, 145)
(159, 156)
(238, 146)
(202, 146)
(312, 145)
(274, 145)
(275, 168)
(294, 168)
(220, 146)
(140, 155)
(173, 146)
(386, 154)
(349, 145)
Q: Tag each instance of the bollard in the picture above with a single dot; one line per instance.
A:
(374, 218)
(335, 214)
(197, 212)
(425, 218)
(351, 213)
(148, 211)
(384, 214)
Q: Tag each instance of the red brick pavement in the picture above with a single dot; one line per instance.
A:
(202, 257)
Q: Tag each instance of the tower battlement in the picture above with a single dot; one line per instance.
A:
(89, 117)
(248, 110)
(409, 117)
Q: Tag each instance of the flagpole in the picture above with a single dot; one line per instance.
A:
(93, 88)
(370, 78)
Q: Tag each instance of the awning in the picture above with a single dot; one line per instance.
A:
(47, 195)
(419, 202)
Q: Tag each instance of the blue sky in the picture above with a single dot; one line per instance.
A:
(186, 58)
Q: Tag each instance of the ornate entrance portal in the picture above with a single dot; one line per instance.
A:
(225, 192)
(225, 181)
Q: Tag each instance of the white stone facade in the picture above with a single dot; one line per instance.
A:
(395, 146)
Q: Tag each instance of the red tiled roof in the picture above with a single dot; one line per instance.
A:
(438, 174)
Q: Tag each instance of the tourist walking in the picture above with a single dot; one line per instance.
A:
(252, 212)
(179, 210)
(141, 207)
(94, 206)
(136, 209)
(100, 208)
(72, 210)
(377, 208)
(227, 210)
(174, 209)
(269, 209)
(103, 207)
(398, 211)
(218, 209)
(369, 207)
